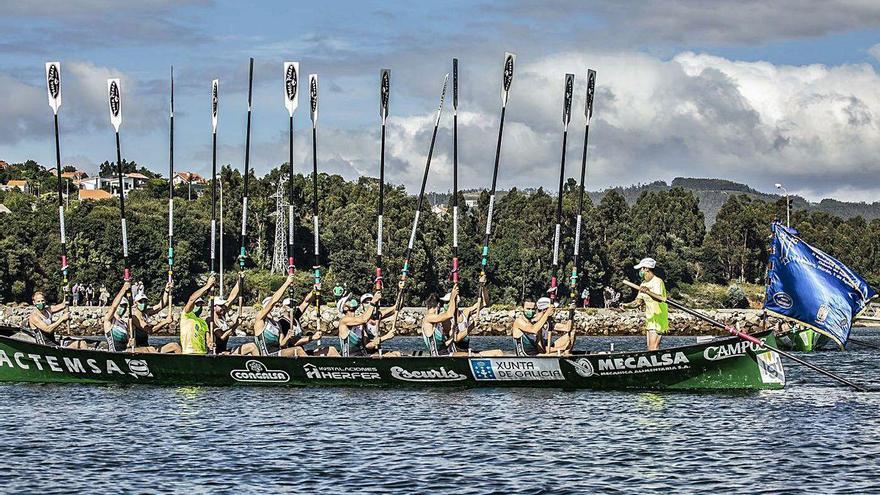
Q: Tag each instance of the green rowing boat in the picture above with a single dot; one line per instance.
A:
(724, 363)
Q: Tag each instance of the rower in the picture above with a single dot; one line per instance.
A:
(438, 321)
(141, 322)
(194, 333)
(115, 324)
(292, 334)
(656, 313)
(267, 330)
(43, 325)
(224, 327)
(467, 321)
(359, 332)
(531, 330)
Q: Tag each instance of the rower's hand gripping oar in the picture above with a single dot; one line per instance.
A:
(506, 82)
(733, 331)
(53, 88)
(404, 275)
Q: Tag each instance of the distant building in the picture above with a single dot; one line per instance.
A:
(129, 182)
(78, 175)
(4, 209)
(93, 194)
(440, 210)
(3, 165)
(195, 183)
(20, 184)
(471, 199)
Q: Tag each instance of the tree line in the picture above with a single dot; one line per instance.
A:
(667, 225)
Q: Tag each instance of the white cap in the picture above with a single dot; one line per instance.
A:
(366, 298)
(543, 303)
(140, 296)
(646, 263)
(123, 302)
(448, 297)
(219, 301)
(266, 301)
(286, 301)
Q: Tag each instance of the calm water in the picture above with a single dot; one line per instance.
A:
(814, 436)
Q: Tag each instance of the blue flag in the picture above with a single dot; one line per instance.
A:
(809, 286)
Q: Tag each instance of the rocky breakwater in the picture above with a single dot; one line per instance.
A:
(86, 320)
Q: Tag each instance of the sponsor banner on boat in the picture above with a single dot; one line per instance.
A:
(137, 368)
(257, 372)
(628, 365)
(340, 372)
(534, 369)
(429, 375)
(770, 366)
(719, 352)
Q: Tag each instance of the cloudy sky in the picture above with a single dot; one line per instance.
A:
(754, 91)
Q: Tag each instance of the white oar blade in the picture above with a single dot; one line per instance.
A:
(313, 98)
(507, 79)
(291, 86)
(384, 93)
(566, 102)
(53, 85)
(114, 99)
(215, 102)
(591, 90)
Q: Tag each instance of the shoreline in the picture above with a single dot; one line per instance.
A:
(86, 321)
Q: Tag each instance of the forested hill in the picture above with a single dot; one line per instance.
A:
(712, 194)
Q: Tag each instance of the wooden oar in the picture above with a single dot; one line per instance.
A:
(748, 338)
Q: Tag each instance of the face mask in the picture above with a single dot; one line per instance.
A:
(121, 310)
(142, 306)
(642, 274)
(40, 305)
(529, 313)
(446, 307)
(197, 310)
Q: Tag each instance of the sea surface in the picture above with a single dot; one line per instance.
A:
(813, 437)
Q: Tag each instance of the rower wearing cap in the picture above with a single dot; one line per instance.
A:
(359, 332)
(115, 324)
(224, 327)
(292, 334)
(144, 327)
(460, 342)
(194, 333)
(656, 313)
(531, 330)
(267, 331)
(43, 324)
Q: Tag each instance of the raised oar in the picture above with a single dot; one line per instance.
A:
(291, 101)
(404, 274)
(454, 328)
(566, 119)
(384, 98)
(313, 107)
(748, 338)
(215, 103)
(588, 113)
(242, 256)
(171, 196)
(114, 98)
(53, 86)
(506, 81)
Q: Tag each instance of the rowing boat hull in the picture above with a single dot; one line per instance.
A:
(727, 363)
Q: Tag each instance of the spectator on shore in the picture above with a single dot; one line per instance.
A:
(585, 297)
(103, 296)
(90, 295)
(611, 296)
(75, 293)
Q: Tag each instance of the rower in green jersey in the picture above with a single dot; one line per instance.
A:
(194, 335)
(656, 313)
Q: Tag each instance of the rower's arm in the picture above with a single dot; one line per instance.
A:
(306, 302)
(111, 310)
(37, 322)
(197, 294)
(362, 318)
(276, 298)
(164, 301)
(163, 323)
(58, 307)
(236, 289)
(438, 318)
